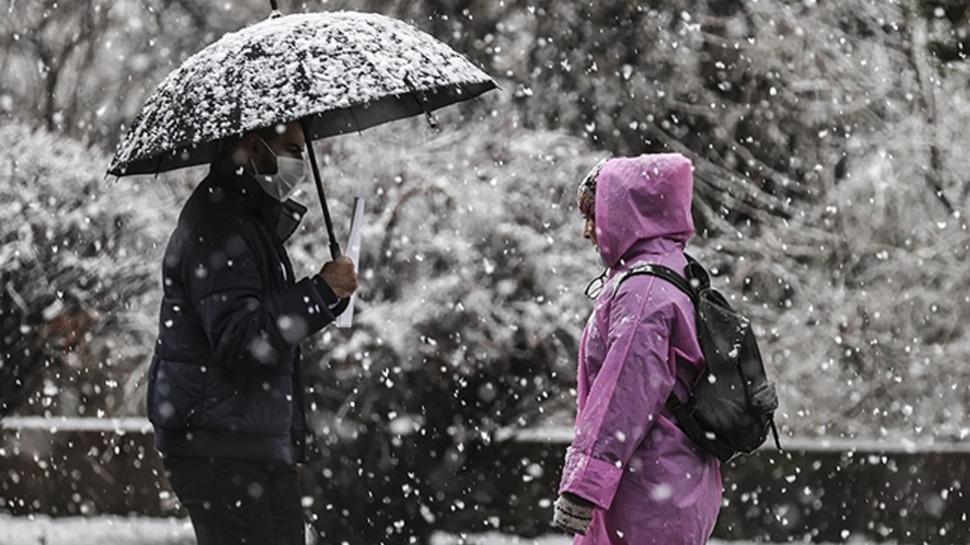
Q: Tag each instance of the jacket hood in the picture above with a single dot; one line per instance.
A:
(640, 200)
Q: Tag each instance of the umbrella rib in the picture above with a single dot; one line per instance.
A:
(420, 100)
(353, 115)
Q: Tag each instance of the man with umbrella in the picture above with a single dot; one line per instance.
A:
(225, 393)
(231, 430)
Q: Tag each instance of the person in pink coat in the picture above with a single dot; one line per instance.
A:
(631, 476)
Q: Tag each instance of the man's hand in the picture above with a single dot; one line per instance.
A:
(341, 275)
(572, 514)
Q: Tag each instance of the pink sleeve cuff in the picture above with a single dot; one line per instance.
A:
(591, 479)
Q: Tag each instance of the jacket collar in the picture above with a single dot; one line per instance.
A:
(281, 218)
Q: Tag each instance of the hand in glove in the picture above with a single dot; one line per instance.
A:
(572, 514)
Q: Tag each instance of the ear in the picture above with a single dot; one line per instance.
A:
(245, 150)
(250, 143)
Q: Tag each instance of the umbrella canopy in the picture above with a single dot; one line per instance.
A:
(337, 72)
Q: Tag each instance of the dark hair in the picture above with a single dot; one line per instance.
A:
(270, 132)
(586, 195)
(226, 145)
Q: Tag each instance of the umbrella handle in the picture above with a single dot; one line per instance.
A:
(335, 251)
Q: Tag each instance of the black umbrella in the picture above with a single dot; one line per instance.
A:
(336, 72)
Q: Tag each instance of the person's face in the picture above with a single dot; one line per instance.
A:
(286, 141)
(589, 230)
(587, 210)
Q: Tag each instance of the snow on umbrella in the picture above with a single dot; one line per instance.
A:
(337, 72)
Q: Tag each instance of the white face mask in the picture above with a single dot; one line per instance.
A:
(290, 172)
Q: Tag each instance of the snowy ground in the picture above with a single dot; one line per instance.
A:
(112, 530)
(97, 530)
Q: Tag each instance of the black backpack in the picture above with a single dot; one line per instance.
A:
(732, 405)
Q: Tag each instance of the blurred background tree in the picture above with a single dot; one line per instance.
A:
(75, 287)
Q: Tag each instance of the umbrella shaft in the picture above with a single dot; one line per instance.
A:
(334, 245)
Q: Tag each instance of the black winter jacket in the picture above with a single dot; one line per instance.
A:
(225, 377)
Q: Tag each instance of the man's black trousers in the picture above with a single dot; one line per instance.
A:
(233, 502)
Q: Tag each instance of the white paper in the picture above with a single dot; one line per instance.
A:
(352, 250)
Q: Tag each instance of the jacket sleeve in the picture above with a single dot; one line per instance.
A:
(626, 396)
(245, 327)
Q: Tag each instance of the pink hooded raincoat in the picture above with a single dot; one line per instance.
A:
(650, 483)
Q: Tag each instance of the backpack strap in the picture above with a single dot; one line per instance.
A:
(679, 410)
(662, 272)
(698, 275)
